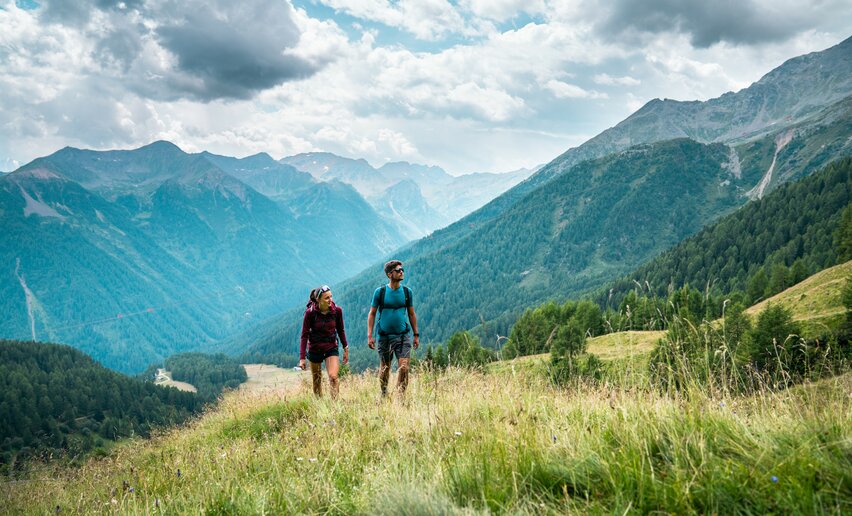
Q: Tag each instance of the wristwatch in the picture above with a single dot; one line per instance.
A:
(416, 334)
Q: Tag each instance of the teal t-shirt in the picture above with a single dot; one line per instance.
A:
(393, 318)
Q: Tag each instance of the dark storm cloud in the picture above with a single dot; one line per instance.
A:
(221, 49)
(234, 51)
(706, 23)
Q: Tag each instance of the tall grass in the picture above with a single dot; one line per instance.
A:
(471, 442)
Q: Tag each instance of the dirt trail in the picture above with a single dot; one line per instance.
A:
(266, 377)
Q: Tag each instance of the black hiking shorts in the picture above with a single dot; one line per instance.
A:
(390, 345)
(318, 357)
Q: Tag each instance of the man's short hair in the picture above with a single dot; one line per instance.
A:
(391, 265)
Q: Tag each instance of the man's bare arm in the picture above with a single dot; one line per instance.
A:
(371, 322)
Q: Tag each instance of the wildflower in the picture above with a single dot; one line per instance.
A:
(721, 404)
(299, 459)
(178, 473)
(131, 490)
(458, 434)
(774, 479)
(313, 459)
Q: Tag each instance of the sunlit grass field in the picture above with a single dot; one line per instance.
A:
(815, 302)
(472, 442)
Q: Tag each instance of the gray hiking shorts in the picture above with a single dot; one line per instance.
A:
(390, 345)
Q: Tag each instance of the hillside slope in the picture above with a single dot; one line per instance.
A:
(815, 302)
(723, 257)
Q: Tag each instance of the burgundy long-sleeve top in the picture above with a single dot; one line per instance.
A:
(320, 330)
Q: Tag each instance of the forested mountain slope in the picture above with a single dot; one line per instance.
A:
(55, 399)
(571, 235)
(793, 226)
(135, 255)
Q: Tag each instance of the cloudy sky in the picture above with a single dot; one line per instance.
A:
(469, 85)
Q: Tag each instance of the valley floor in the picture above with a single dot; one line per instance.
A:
(468, 442)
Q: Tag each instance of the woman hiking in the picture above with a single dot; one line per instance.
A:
(322, 324)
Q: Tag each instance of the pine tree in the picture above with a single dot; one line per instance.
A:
(843, 235)
(757, 286)
(772, 339)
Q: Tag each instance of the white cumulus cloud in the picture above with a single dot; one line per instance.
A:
(564, 90)
(609, 80)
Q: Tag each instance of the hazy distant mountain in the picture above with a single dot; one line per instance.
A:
(403, 204)
(432, 178)
(264, 174)
(344, 223)
(132, 256)
(447, 198)
(326, 166)
(465, 194)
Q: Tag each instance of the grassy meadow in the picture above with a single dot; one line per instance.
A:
(473, 442)
(815, 302)
(500, 439)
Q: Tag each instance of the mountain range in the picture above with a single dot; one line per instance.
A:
(133, 256)
(419, 198)
(601, 209)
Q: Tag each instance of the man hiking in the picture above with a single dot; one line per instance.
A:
(396, 326)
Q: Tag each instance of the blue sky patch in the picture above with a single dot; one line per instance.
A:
(28, 5)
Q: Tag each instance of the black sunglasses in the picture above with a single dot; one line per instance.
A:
(399, 269)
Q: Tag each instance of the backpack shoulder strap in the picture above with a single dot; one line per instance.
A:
(382, 298)
(407, 293)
